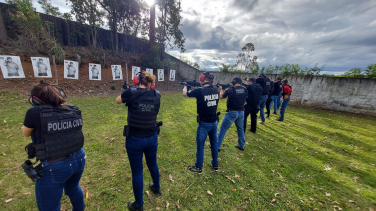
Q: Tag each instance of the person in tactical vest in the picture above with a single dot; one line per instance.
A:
(57, 141)
(277, 93)
(235, 112)
(207, 102)
(142, 133)
(269, 101)
(265, 84)
(285, 99)
(252, 101)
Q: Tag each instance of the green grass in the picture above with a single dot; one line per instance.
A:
(314, 159)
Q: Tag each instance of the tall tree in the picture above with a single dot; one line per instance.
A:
(124, 15)
(87, 11)
(246, 60)
(370, 71)
(354, 73)
(168, 23)
(49, 9)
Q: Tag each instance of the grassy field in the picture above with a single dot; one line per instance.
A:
(314, 160)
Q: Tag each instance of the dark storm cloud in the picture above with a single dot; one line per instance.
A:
(191, 29)
(221, 40)
(246, 5)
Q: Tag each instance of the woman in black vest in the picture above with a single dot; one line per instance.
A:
(143, 105)
(61, 169)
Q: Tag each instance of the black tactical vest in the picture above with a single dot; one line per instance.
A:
(236, 98)
(61, 132)
(254, 94)
(143, 110)
(277, 88)
(207, 105)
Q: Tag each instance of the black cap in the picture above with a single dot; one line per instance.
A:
(237, 80)
(279, 78)
(253, 80)
(262, 75)
(285, 81)
(209, 75)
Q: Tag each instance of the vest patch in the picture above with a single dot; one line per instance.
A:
(145, 107)
(240, 91)
(63, 125)
(211, 99)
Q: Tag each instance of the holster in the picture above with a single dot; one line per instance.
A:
(30, 149)
(126, 131)
(34, 173)
(159, 124)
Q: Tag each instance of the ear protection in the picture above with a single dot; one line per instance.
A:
(137, 81)
(34, 101)
(208, 75)
(233, 82)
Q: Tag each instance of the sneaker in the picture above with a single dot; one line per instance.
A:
(194, 169)
(219, 150)
(267, 117)
(156, 192)
(263, 123)
(252, 131)
(249, 124)
(259, 117)
(215, 168)
(132, 206)
(274, 112)
(279, 119)
(237, 146)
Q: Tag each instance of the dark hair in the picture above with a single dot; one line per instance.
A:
(209, 77)
(147, 79)
(285, 81)
(48, 94)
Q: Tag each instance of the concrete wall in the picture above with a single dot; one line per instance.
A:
(354, 95)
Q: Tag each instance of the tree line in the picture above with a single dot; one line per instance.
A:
(247, 62)
(130, 17)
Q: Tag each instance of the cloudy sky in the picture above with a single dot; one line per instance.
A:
(340, 34)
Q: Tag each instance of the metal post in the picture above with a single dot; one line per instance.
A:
(126, 70)
(56, 78)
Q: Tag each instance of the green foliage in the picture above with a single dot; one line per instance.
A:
(88, 12)
(314, 70)
(370, 71)
(168, 23)
(193, 64)
(354, 73)
(225, 68)
(35, 36)
(49, 9)
(312, 160)
(113, 87)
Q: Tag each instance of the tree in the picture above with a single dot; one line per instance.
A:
(168, 23)
(270, 69)
(124, 14)
(314, 70)
(49, 9)
(245, 59)
(370, 72)
(354, 73)
(225, 68)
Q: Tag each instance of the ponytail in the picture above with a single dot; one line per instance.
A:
(147, 79)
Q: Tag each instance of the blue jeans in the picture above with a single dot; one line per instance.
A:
(261, 106)
(203, 130)
(283, 107)
(275, 99)
(230, 117)
(279, 101)
(136, 148)
(64, 174)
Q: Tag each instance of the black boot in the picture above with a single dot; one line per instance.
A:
(132, 206)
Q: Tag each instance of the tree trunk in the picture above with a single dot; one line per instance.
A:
(3, 32)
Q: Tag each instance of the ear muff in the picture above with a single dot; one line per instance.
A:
(34, 101)
(136, 80)
(233, 82)
(202, 78)
(152, 86)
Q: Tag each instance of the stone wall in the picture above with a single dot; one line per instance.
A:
(354, 95)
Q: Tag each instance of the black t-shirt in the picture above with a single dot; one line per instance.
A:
(32, 120)
(136, 132)
(202, 103)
